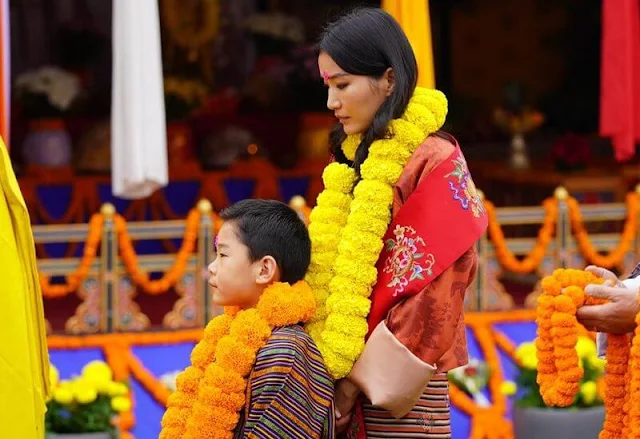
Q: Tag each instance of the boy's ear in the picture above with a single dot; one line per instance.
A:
(267, 271)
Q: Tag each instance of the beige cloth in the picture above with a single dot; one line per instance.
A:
(138, 129)
(389, 374)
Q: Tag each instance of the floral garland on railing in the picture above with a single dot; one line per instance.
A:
(73, 280)
(327, 223)
(129, 257)
(346, 233)
(587, 249)
(559, 369)
(533, 260)
(169, 278)
(211, 392)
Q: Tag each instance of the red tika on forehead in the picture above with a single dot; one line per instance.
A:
(325, 75)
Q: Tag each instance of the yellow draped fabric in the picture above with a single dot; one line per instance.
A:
(413, 16)
(24, 359)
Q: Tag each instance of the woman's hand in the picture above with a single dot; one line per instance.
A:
(346, 396)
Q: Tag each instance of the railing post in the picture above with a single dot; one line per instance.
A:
(299, 204)
(482, 248)
(108, 255)
(563, 228)
(205, 251)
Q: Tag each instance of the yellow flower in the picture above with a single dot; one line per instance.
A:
(526, 355)
(63, 395)
(84, 392)
(586, 347)
(530, 361)
(97, 371)
(350, 146)
(121, 404)
(54, 376)
(589, 391)
(339, 177)
(597, 363)
(525, 349)
(508, 388)
(117, 389)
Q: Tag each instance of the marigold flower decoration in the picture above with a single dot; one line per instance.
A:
(211, 392)
(347, 226)
(559, 369)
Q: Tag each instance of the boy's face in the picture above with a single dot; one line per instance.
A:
(235, 280)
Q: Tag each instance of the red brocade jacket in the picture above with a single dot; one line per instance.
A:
(429, 260)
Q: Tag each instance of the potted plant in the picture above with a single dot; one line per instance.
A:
(583, 419)
(45, 96)
(86, 406)
(181, 97)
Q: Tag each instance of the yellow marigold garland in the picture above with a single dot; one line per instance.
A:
(347, 226)
(211, 392)
(559, 369)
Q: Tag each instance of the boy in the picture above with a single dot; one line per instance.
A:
(256, 373)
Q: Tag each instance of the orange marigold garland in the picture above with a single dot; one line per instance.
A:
(615, 386)
(533, 260)
(211, 392)
(559, 370)
(634, 382)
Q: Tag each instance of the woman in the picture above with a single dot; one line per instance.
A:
(393, 236)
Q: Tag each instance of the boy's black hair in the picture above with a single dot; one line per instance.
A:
(271, 228)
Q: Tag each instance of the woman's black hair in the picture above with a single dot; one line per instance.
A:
(367, 42)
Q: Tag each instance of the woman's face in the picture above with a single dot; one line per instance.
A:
(354, 99)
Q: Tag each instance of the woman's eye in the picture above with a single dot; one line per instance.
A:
(342, 86)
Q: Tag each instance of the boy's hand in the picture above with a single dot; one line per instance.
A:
(346, 396)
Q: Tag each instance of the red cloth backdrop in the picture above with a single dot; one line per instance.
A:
(620, 75)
